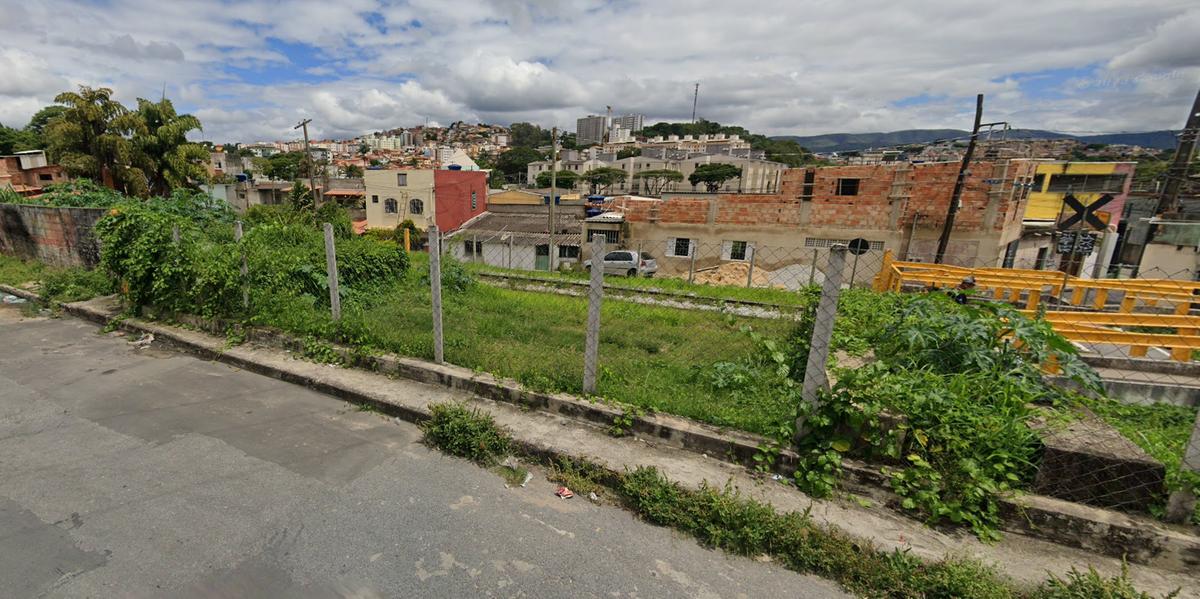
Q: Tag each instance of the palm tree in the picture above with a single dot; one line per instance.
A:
(91, 138)
(163, 148)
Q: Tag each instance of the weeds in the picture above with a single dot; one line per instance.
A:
(466, 433)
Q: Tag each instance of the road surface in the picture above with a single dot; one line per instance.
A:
(130, 472)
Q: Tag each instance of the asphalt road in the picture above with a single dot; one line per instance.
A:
(134, 473)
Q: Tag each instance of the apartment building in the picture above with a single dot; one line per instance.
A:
(590, 129)
(448, 197)
(757, 176)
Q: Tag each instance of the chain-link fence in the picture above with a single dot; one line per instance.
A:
(1138, 335)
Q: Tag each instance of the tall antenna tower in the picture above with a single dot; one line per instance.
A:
(695, 99)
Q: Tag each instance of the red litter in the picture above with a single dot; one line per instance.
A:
(564, 493)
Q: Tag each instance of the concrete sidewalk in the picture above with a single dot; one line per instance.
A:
(1023, 558)
(154, 473)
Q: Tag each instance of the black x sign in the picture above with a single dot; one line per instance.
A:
(1084, 213)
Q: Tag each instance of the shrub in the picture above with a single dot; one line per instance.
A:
(466, 433)
(1085, 585)
(75, 284)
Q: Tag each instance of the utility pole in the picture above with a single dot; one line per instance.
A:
(944, 240)
(695, 99)
(553, 197)
(312, 187)
(1169, 200)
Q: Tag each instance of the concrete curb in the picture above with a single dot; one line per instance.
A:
(1105, 532)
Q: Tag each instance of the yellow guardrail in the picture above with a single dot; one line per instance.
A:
(1027, 287)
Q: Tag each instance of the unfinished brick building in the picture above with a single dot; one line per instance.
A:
(27, 173)
(899, 206)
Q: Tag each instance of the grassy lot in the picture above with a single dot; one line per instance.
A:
(651, 357)
(14, 271)
(780, 297)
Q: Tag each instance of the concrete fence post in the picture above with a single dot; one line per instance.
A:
(435, 289)
(475, 248)
(815, 377)
(637, 260)
(854, 271)
(335, 299)
(692, 261)
(510, 250)
(750, 271)
(245, 270)
(1182, 502)
(591, 347)
(175, 233)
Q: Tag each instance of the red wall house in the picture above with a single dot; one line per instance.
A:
(459, 196)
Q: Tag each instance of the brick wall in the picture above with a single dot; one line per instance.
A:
(453, 197)
(57, 236)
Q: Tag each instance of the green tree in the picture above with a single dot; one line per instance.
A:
(714, 175)
(657, 179)
(527, 135)
(285, 166)
(603, 178)
(353, 171)
(514, 163)
(301, 196)
(628, 153)
(93, 138)
(39, 121)
(17, 140)
(564, 180)
(363, 149)
(166, 156)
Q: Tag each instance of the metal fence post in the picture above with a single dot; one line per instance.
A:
(815, 379)
(637, 260)
(692, 263)
(435, 288)
(750, 271)
(591, 348)
(854, 270)
(335, 300)
(1182, 503)
(812, 272)
(237, 236)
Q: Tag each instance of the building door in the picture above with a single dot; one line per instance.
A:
(541, 259)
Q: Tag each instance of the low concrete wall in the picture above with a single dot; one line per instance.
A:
(57, 236)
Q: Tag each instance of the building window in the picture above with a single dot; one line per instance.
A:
(735, 250)
(847, 187)
(389, 206)
(473, 248)
(402, 179)
(680, 247)
(568, 251)
(1039, 181)
(473, 202)
(609, 236)
(374, 199)
(416, 206)
(1086, 183)
(810, 176)
(819, 242)
(45, 177)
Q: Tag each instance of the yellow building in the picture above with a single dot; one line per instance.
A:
(1087, 181)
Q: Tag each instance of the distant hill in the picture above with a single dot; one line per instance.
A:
(844, 142)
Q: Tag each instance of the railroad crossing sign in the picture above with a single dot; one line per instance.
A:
(1086, 215)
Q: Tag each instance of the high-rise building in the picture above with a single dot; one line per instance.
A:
(631, 122)
(590, 129)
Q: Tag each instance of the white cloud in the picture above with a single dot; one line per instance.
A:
(776, 66)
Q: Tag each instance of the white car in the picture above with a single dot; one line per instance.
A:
(626, 262)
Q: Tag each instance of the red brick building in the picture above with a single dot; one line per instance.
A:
(459, 197)
(897, 206)
(28, 172)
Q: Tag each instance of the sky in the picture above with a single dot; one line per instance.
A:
(251, 69)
